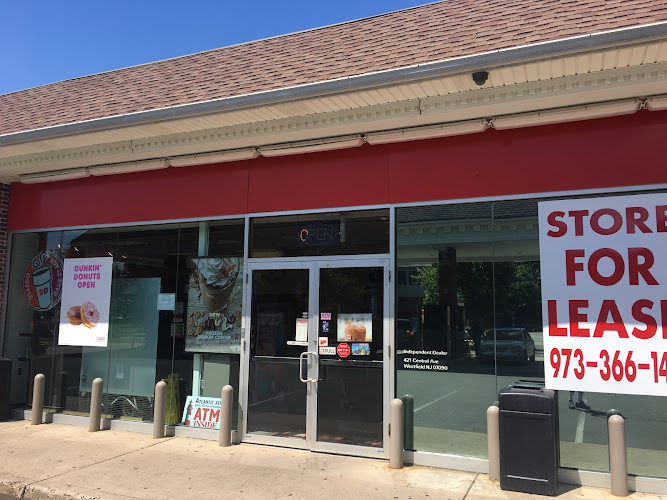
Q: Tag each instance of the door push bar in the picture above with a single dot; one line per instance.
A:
(302, 356)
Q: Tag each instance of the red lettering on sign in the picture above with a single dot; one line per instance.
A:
(571, 266)
(552, 313)
(616, 325)
(617, 221)
(661, 218)
(649, 321)
(578, 216)
(553, 221)
(609, 319)
(637, 217)
(619, 266)
(635, 268)
(640, 261)
(576, 317)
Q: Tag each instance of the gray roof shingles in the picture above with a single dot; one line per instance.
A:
(418, 35)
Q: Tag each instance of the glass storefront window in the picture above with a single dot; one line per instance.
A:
(475, 268)
(147, 342)
(31, 331)
(444, 305)
(212, 305)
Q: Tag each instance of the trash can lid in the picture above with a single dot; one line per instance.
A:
(528, 399)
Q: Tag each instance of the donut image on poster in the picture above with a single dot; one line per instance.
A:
(74, 315)
(90, 316)
(86, 314)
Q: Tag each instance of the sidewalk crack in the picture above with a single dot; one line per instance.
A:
(163, 440)
(470, 487)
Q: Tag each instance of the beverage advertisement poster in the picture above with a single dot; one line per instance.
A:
(84, 307)
(215, 294)
(355, 327)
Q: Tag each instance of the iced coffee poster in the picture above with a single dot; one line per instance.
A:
(84, 306)
(215, 292)
(355, 327)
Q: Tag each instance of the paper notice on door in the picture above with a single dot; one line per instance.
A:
(301, 330)
(301, 336)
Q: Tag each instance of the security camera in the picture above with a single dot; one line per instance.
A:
(480, 77)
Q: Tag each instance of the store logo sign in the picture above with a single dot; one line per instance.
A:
(43, 281)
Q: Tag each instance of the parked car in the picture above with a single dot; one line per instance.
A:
(510, 344)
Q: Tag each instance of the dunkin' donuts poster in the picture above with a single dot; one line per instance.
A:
(84, 307)
(215, 291)
(357, 327)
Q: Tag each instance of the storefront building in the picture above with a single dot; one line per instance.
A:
(331, 229)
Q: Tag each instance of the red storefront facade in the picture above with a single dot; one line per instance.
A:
(421, 241)
(603, 154)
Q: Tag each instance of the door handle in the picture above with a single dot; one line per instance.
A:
(303, 356)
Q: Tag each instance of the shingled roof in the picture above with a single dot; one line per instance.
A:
(419, 35)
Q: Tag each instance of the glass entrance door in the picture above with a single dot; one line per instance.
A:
(316, 359)
(349, 391)
(278, 343)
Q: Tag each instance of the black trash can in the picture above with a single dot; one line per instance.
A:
(5, 386)
(529, 447)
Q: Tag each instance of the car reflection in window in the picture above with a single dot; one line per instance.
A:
(512, 344)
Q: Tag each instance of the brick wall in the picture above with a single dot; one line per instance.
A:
(4, 205)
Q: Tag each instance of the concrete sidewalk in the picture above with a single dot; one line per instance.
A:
(54, 461)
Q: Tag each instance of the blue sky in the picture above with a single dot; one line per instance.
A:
(44, 41)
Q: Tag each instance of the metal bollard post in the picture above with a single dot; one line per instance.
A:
(226, 403)
(618, 460)
(396, 434)
(159, 409)
(38, 399)
(409, 415)
(95, 405)
(493, 435)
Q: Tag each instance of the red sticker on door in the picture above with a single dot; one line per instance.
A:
(343, 350)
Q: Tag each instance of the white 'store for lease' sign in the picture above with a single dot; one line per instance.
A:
(604, 294)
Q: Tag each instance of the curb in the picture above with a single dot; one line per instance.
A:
(23, 491)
